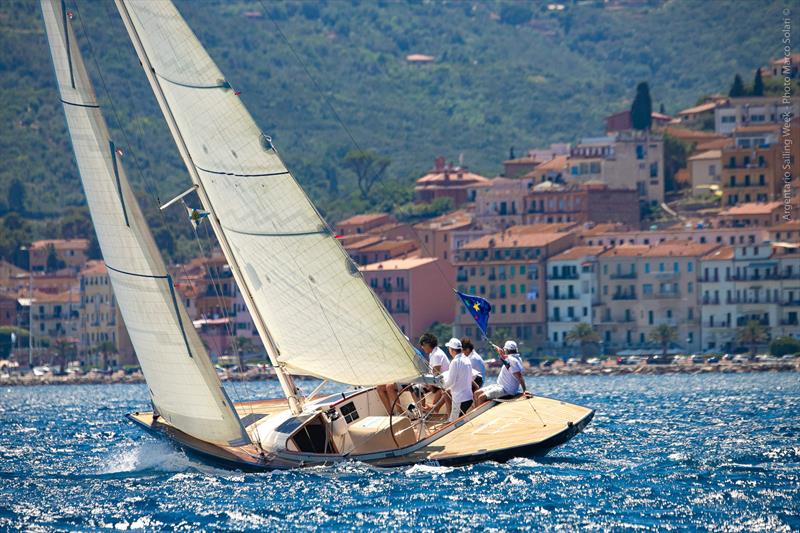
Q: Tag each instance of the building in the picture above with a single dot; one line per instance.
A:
(553, 170)
(361, 224)
(752, 111)
(625, 160)
(500, 203)
(67, 253)
(752, 215)
(753, 164)
(437, 236)
(615, 234)
(642, 287)
(572, 292)
(786, 232)
(591, 202)
(508, 269)
(700, 114)
(622, 121)
(740, 284)
(104, 340)
(8, 310)
(416, 291)
(446, 180)
(366, 249)
(705, 169)
(56, 317)
(519, 166)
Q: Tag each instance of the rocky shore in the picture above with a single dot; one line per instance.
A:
(559, 369)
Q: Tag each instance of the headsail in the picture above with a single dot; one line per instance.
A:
(184, 387)
(306, 292)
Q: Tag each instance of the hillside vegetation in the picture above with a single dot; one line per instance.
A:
(505, 74)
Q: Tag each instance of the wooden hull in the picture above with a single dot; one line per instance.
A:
(516, 428)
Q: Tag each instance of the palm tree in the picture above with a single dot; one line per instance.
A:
(752, 334)
(663, 335)
(583, 335)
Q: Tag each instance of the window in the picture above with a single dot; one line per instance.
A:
(647, 266)
(661, 267)
(690, 265)
(640, 151)
(647, 289)
(653, 170)
(676, 267)
(690, 287)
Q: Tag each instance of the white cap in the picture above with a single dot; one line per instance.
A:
(454, 344)
(510, 346)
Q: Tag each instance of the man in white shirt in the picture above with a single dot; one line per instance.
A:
(438, 362)
(458, 380)
(475, 360)
(510, 379)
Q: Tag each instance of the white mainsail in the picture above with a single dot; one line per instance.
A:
(306, 294)
(184, 387)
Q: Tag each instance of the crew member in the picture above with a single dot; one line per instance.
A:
(475, 360)
(458, 380)
(510, 379)
(438, 363)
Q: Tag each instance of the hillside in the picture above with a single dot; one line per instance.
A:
(498, 80)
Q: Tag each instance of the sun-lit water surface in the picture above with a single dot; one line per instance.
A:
(716, 452)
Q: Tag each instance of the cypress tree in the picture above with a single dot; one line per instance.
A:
(737, 89)
(642, 108)
(758, 84)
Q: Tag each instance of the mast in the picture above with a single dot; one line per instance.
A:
(285, 379)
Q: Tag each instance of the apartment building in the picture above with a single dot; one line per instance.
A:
(740, 284)
(628, 159)
(752, 215)
(705, 170)
(752, 110)
(615, 234)
(417, 291)
(752, 166)
(446, 180)
(642, 287)
(500, 203)
(66, 253)
(438, 236)
(104, 340)
(508, 269)
(572, 292)
(590, 202)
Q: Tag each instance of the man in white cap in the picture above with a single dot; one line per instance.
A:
(458, 380)
(510, 379)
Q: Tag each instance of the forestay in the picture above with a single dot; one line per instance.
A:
(184, 387)
(322, 317)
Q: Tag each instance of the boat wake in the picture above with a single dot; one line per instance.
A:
(148, 456)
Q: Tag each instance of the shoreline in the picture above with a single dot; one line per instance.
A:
(120, 377)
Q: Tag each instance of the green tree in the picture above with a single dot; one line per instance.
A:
(752, 334)
(369, 168)
(584, 336)
(663, 335)
(737, 89)
(642, 108)
(784, 346)
(53, 262)
(16, 196)
(442, 331)
(676, 153)
(758, 84)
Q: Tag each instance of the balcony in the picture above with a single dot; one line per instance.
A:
(629, 295)
(716, 325)
(709, 300)
(563, 297)
(563, 319)
(667, 295)
(623, 275)
(568, 275)
(709, 279)
(794, 322)
(790, 303)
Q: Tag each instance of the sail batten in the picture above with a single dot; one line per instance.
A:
(321, 318)
(184, 387)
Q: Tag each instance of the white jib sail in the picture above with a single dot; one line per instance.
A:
(184, 387)
(324, 320)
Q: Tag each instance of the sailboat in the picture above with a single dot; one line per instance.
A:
(315, 314)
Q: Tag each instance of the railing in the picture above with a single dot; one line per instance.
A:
(709, 279)
(710, 301)
(667, 294)
(790, 322)
(624, 296)
(563, 319)
(717, 325)
(569, 275)
(623, 275)
(563, 297)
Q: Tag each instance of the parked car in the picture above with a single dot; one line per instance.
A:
(713, 360)
(696, 359)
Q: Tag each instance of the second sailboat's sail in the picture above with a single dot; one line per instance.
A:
(184, 387)
(323, 318)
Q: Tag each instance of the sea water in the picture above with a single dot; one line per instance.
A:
(711, 452)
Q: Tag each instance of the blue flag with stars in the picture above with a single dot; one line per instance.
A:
(478, 307)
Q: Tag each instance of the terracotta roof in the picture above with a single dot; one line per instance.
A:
(61, 244)
(399, 264)
(664, 249)
(56, 298)
(451, 178)
(710, 106)
(794, 225)
(682, 175)
(454, 220)
(690, 135)
(387, 245)
(720, 254)
(577, 252)
(559, 162)
(708, 154)
(367, 240)
(524, 160)
(524, 236)
(94, 267)
(603, 228)
(363, 219)
(752, 208)
(713, 144)
(758, 128)
(660, 116)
